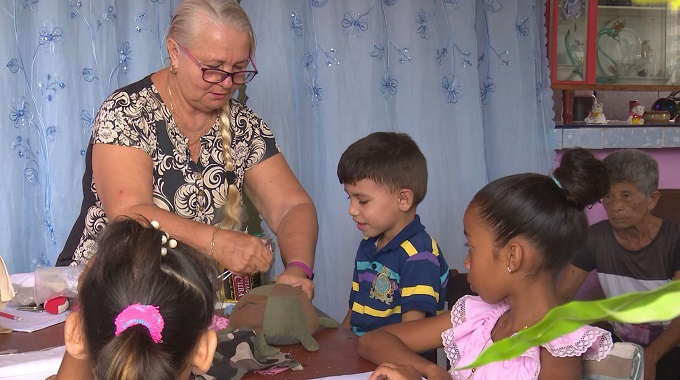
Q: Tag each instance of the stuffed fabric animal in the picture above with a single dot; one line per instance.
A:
(596, 116)
(279, 314)
(635, 116)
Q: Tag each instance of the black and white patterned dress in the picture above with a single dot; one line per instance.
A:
(135, 116)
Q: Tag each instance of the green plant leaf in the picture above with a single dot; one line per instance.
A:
(661, 304)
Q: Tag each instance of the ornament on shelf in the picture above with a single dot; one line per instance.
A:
(596, 116)
(635, 115)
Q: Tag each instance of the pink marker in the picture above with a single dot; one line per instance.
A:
(10, 316)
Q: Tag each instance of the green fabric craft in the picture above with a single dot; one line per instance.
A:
(279, 314)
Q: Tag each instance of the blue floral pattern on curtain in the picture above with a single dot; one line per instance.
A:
(467, 79)
(61, 59)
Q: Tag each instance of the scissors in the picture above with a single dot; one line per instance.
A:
(32, 307)
(225, 275)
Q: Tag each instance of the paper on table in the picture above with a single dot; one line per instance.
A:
(30, 320)
(36, 365)
(355, 376)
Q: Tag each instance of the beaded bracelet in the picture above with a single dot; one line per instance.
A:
(212, 242)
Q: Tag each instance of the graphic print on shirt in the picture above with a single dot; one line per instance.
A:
(383, 287)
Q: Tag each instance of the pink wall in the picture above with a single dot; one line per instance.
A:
(669, 173)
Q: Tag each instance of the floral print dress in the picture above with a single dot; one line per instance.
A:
(136, 117)
(473, 320)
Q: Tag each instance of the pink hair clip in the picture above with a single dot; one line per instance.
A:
(145, 315)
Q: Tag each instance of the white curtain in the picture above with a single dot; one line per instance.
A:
(59, 60)
(467, 79)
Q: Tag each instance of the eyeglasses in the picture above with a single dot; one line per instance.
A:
(217, 75)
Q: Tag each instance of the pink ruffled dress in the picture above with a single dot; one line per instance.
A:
(473, 319)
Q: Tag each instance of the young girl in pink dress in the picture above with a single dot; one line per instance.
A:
(521, 231)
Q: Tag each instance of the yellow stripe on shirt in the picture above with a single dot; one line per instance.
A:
(435, 248)
(420, 290)
(409, 248)
(361, 309)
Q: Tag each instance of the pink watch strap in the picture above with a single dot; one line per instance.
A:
(304, 267)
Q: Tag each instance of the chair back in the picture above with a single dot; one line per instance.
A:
(456, 287)
(624, 362)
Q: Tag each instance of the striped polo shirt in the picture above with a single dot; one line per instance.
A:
(409, 273)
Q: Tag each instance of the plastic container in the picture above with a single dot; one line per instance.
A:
(51, 282)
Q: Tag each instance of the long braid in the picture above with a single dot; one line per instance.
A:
(233, 207)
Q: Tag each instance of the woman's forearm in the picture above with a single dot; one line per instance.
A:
(297, 234)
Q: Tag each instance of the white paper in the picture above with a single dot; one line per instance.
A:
(355, 376)
(36, 365)
(31, 320)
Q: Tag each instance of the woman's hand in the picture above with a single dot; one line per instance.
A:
(395, 372)
(241, 253)
(297, 278)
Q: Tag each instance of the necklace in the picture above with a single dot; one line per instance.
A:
(377, 241)
(496, 327)
(178, 116)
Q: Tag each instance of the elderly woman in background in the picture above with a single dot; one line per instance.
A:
(633, 251)
(176, 148)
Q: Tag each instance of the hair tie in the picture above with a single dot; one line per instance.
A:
(557, 182)
(145, 315)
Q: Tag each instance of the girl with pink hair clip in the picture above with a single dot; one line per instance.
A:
(145, 307)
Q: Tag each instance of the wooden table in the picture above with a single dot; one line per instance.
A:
(336, 356)
(50, 337)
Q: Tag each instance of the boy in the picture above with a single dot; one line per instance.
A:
(400, 273)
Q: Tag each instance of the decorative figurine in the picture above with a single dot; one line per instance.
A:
(572, 9)
(635, 115)
(596, 116)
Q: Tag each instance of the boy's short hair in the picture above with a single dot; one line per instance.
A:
(390, 159)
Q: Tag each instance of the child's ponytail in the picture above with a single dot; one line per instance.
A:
(133, 355)
(145, 302)
(583, 177)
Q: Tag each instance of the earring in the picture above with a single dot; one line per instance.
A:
(509, 270)
(173, 69)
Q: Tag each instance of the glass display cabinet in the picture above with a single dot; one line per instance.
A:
(615, 42)
(613, 45)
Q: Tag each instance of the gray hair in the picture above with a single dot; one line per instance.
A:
(634, 166)
(188, 19)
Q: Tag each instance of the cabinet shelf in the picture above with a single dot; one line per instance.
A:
(616, 87)
(625, 8)
(612, 48)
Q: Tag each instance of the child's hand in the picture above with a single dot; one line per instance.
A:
(395, 372)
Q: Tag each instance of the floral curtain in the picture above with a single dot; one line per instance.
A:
(466, 78)
(60, 59)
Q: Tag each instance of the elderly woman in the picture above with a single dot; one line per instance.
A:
(176, 148)
(633, 251)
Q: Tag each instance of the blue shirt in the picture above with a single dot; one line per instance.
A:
(409, 273)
